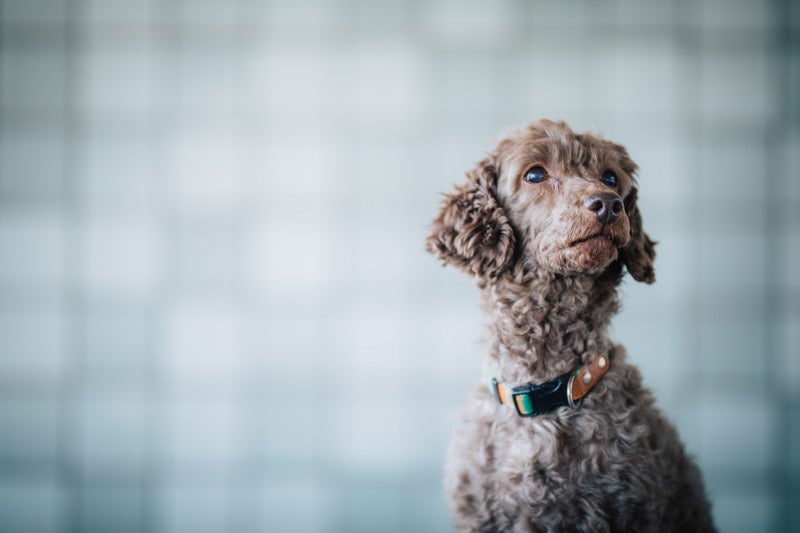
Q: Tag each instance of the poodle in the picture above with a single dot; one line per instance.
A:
(562, 435)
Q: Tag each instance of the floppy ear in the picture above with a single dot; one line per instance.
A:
(640, 252)
(472, 231)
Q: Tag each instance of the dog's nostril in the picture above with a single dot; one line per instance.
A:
(607, 207)
(593, 204)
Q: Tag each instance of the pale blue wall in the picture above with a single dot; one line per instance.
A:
(215, 309)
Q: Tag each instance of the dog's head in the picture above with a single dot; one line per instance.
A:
(562, 201)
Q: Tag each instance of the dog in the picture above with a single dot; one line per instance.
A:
(561, 435)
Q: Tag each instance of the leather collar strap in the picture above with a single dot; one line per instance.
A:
(566, 390)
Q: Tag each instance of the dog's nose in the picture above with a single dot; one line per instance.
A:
(606, 205)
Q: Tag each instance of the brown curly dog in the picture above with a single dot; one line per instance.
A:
(545, 224)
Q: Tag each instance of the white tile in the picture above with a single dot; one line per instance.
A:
(663, 351)
(297, 252)
(571, 13)
(557, 100)
(789, 159)
(205, 257)
(203, 172)
(308, 164)
(787, 369)
(794, 437)
(33, 345)
(468, 23)
(459, 338)
(202, 346)
(721, 418)
(112, 508)
(31, 80)
(387, 253)
(289, 17)
(734, 171)
(382, 84)
(732, 259)
(208, 14)
(118, 172)
(207, 78)
(290, 81)
(35, 12)
(118, 81)
(448, 338)
(201, 438)
(285, 349)
(282, 433)
(34, 505)
(732, 352)
(29, 425)
(31, 163)
(33, 245)
(366, 503)
(737, 14)
(123, 257)
(372, 347)
(743, 513)
(380, 15)
(188, 507)
(466, 85)
(299, 505)
(788, 258)
(638, 13)
(736, 87)
(386, 440)
(675, 268)
(607, 82)
(118, 348)
(664, 300)
(431, 510)
(107, 13)
(382, 170)
(111, 441)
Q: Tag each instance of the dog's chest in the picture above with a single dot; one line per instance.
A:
(525, 446)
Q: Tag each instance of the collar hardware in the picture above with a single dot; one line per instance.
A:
(566, 390)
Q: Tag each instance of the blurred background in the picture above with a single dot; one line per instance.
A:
(216, 313)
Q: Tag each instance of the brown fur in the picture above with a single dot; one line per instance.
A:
(614, 463)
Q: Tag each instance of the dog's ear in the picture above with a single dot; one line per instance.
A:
(472, 231)
(639, 254)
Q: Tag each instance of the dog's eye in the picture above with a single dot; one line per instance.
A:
(609, 178)
(535, 174)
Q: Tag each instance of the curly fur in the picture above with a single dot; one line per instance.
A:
(549, 292)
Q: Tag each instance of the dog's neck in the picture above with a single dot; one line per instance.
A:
(543, 324)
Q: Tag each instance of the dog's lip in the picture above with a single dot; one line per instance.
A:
(588, 238)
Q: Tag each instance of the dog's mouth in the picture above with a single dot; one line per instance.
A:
(599, 236)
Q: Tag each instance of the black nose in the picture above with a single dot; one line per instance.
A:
(606, 205)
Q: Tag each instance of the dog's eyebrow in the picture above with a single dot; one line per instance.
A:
(532, 153)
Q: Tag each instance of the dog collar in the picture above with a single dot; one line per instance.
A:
(566, 390)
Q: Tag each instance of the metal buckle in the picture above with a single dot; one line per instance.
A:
(549, 395)
(495, 392)
(570, 401)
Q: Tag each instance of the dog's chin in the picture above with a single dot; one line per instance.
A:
(589, 256)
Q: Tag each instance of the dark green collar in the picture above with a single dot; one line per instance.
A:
(566, 390)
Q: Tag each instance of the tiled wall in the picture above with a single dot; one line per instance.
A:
(215, 310)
